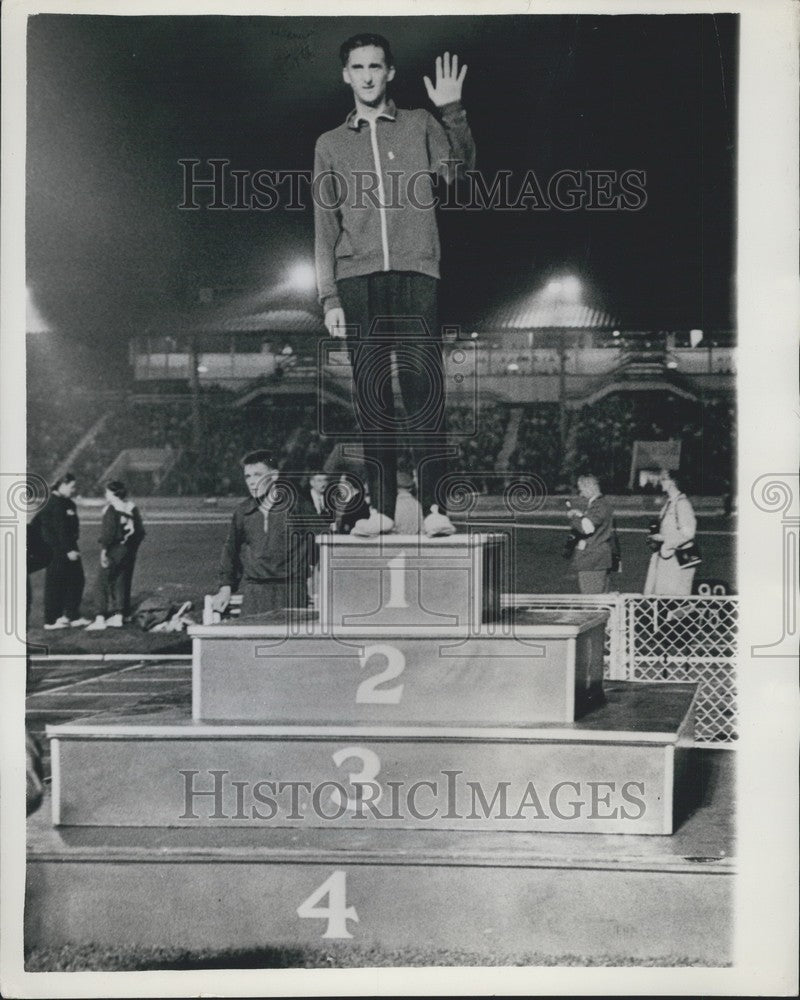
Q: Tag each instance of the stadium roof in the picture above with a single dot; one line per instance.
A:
(271, 321)
(531, 313)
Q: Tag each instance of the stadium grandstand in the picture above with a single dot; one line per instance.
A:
(558, 385)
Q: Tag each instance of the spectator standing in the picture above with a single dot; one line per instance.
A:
(677, 525)
(121, 534)
(314, 501)
(593, 520)
(38, 555)
(407, 510)
(64, 577)
(316, 517)
(351, 503)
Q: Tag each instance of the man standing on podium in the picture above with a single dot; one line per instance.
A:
(377, 259)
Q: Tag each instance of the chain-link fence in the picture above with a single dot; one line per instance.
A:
(667, 639)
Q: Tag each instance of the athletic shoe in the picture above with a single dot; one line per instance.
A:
(437, 524)
(98, 625)
(115, 621)
(56, 624)
(372, 526)
(80, 622)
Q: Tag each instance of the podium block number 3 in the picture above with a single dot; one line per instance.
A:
(370, 769)
(368, 692)
(337, 912)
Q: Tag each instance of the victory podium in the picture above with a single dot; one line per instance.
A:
(384, 743)
(424, 584)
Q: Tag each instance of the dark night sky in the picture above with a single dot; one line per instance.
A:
(115, 102)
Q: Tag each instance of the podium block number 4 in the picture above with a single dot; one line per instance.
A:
(337, 912)
(368, 692)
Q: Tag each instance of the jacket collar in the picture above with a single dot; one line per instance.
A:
(251, 505)
(354, 120)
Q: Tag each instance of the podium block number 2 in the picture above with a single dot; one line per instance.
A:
(337, 912)
(369, 693)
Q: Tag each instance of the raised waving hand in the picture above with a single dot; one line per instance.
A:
(449, 80)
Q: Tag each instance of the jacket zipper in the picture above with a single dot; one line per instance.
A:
(373, 134)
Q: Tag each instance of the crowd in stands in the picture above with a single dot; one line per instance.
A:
(599, 436)
(538, 449)
(59, 413)
(480, 438)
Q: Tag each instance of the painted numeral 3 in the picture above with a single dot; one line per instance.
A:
(371, 767)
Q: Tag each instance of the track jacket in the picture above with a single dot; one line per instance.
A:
(373, 192)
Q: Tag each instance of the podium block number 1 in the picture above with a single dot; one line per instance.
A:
(368, 692)
(397, 582)
(337, 912)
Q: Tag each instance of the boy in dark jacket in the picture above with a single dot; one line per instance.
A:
(121, 534)
(262, 555)
(64, 577)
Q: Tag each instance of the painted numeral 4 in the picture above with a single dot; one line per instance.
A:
(337, 912)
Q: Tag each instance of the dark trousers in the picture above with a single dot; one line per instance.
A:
(593, 581)
(63, 589)
(114, 587)
(127, 580)
(258, 598)
(396, 313)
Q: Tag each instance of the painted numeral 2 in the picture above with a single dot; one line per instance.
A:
(368, 692)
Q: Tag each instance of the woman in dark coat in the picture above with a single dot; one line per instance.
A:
(64, 577)
(121, 533)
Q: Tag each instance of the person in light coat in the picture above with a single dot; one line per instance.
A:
(677, 524)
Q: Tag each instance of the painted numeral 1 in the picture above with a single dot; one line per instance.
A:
(397, 582)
